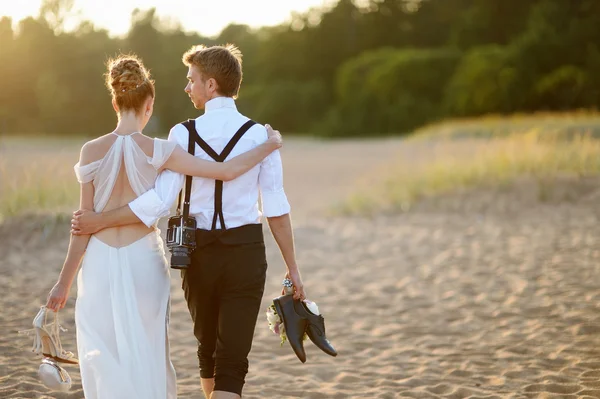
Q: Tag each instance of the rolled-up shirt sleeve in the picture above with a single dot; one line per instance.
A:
(270, 180)
(156, 203)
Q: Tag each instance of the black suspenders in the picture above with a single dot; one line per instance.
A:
(188, 179)
(191, 127)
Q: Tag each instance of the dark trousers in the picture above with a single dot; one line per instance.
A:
(223, 288)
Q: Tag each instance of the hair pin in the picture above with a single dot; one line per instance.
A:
(124, 90)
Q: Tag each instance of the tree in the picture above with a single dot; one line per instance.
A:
(54, 12)
(485, 81)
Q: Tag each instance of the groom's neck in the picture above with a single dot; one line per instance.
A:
(212, 98)
(217, 96)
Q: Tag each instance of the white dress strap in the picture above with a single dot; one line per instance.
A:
(109, 174)
(86, 173)
(125, 135)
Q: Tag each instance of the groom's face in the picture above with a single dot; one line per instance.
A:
(197, 88)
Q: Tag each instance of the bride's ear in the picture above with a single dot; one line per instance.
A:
(115, 106)
(149, 106)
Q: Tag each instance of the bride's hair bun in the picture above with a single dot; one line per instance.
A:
(129, 82)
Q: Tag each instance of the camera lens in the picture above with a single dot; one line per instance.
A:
(180, 258)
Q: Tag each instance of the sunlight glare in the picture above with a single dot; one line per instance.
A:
(206, 17)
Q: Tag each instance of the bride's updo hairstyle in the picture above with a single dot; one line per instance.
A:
(129, 82)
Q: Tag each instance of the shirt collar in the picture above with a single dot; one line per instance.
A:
(219, 102)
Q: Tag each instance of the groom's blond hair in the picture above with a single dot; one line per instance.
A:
(222, 63)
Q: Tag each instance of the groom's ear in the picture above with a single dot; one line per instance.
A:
(213, 86)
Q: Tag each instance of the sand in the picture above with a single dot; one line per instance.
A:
(484, 295)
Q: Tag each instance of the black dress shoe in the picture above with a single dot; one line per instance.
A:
(316, 328)
(295, 324)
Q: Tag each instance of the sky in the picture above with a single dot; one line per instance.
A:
(203, 16)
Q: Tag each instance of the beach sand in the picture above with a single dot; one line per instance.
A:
(481, 295)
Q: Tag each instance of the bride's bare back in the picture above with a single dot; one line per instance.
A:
(124, 167)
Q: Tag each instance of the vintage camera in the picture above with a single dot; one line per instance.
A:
(181, 240)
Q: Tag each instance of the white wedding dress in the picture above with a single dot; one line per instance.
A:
(122, 308)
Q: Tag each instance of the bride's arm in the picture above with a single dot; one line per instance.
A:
(182, 162)
(59, 294)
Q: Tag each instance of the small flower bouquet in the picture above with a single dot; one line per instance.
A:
(275, 323)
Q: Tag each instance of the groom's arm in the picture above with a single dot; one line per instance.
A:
(276, 209)
(275, 205)
(89, 222)
(281, 228)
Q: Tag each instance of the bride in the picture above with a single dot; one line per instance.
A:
(122, 307)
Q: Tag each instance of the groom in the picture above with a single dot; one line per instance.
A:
(224, 284)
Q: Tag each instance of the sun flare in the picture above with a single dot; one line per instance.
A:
(206, 17)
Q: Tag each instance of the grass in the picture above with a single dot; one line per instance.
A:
(495, 159)
(571, 123)
(36, 175)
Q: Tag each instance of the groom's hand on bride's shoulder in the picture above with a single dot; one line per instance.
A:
(85, 222)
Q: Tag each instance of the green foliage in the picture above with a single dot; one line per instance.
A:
(390, 91)
(495, 22)
(285, 104)
(484, 82)
(563, 88)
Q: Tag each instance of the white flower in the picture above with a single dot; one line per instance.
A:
(312, 307)
(275, 323)
(272, 316)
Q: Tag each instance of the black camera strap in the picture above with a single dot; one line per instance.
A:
(219, 158)
(190, 125)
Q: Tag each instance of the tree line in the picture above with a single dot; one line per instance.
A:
(356, 68)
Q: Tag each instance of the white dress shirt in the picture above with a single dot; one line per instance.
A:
(217, 126)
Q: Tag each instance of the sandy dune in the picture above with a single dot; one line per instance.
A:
(446, 301)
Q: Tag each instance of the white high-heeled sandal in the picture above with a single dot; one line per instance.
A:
(53, 376)
(46, 338)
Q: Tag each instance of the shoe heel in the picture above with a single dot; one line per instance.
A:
(48, 348)
(37, 323)
(37, 342)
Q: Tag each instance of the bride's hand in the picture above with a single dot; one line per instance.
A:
(274, 136)
(57, 298)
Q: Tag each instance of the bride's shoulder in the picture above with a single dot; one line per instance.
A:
(95, 149)
(90, 152)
